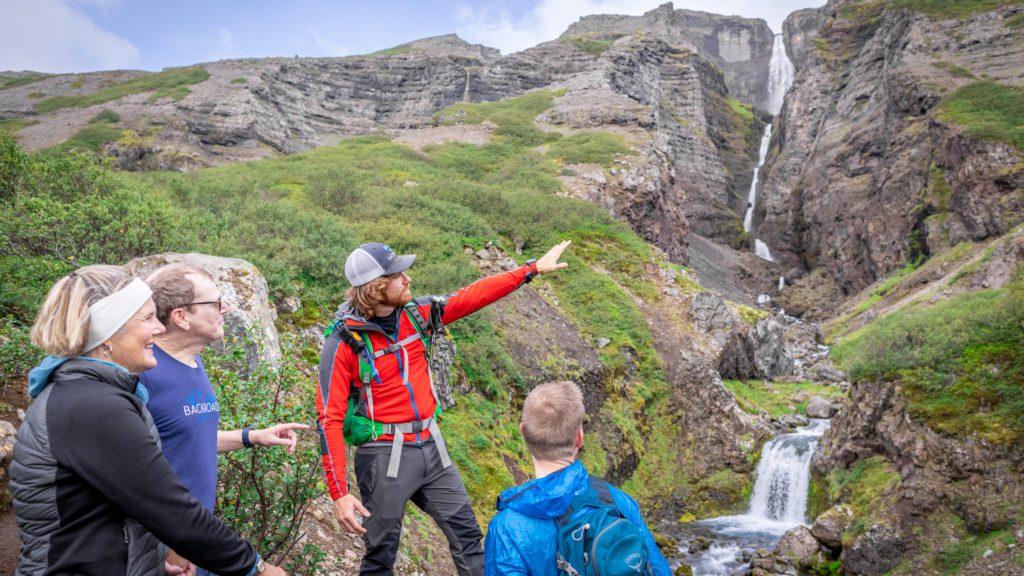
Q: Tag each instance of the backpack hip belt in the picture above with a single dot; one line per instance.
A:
(415, 427)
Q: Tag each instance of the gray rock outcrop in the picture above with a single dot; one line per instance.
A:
(800, 546)
(829, 526)
(818, 407)
(250, 317)
(873, 553)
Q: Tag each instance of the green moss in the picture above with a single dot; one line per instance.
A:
(394, 50)
(589, 148)
(171, 83)
(238, 80)
(8, 82)
(959, 361)
(988, 111)
(777, 398)
(108, 116)
(15, 125)
(1015, 21)
(744, 111)
(589, 45)
(751, 315)
(949, 9)
(958, 71)
(869, 487)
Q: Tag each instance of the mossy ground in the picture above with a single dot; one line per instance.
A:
(778, 398)
(171, 83)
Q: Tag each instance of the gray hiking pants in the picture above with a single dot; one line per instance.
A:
(437, 491)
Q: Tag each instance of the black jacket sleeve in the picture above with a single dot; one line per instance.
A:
(104, 439)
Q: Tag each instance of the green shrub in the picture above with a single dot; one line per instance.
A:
(15, 125)
(263, 494)
(171, 83)
(107, 116)
(988, 111)
(951, 8)
(589, 148)
(591, 46)
(17, 354)
(959, 361)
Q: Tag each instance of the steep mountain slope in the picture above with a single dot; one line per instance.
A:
(878, 161)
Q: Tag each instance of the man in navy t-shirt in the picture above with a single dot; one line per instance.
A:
(181, 399)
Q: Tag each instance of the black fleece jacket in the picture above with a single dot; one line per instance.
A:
(92, 455)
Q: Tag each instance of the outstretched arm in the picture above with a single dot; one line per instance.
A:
(276, 435)
(493, 288)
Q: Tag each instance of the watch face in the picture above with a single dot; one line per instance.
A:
(260, 566)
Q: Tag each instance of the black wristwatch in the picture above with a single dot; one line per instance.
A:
(530, 274)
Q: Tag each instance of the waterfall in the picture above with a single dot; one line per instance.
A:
(780, 75)
(780, 78)
(778, 503)
(748, 217)
(783, 476)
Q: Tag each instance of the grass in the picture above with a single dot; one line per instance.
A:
(958, 71)
(171, 83)
(744, 111)
(870, 488)
(108, 116)
(778, 398)
(8, 82)
(988, 111)
(394, 50)
(949, 9)
(238, 80)
(1015, 21)
(589, 148)
(591, 46)
(15, 125)
(960, 362)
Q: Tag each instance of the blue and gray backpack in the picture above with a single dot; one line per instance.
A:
(595, 539)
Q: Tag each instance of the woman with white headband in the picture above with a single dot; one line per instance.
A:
(92, 492)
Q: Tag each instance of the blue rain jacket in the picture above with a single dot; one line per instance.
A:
(521, 538)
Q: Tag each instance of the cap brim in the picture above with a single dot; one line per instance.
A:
(400, 264)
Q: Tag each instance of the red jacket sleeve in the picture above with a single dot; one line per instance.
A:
(331, 405)
(483, 292)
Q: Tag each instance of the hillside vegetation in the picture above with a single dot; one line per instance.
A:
(297, 217)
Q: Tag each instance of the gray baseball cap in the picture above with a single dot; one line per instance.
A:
(371, 261)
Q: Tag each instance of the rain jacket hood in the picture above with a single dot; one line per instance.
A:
(546, 497)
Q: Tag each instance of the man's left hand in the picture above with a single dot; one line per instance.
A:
(549, 262)
(277, 435)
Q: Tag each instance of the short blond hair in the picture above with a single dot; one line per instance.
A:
(364, 298)
(62, 325)
(172, 288)
(552, 417)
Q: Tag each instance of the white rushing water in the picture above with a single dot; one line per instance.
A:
(748, 217)
(780, 78)
(778, 503)
(780, 75)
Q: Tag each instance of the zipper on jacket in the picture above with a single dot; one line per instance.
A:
(124, 528)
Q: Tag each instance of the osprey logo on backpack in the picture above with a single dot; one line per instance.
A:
(594, 539)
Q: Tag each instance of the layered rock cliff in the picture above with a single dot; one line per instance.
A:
(867, 172)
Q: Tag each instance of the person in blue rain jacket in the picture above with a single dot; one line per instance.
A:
(521, 539)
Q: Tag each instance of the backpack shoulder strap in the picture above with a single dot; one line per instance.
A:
(603, 491)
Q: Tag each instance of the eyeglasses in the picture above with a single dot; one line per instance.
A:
(219, 303)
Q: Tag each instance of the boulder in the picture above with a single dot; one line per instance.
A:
(250, 316)
(771, 354)
(873, 553)
(799, 545)
(819, 407)
(829, 526)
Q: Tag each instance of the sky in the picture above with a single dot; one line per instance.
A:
(88, 35)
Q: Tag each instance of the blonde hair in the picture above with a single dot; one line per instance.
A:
(552, 417)
(172, 288)
(364, 298)
(62, 325)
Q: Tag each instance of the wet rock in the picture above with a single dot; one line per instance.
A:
(799, 545)
(873, 553)
(699, 544)
(819, 407)
(829, 526)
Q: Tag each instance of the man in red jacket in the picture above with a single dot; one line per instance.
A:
(375, 355)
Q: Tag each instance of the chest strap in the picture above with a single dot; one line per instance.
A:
(414, 428)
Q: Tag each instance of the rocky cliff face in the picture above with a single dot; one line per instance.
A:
(740, 47)
(864, 175)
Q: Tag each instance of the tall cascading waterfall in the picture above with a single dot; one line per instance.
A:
(777, 504)
(780, 78)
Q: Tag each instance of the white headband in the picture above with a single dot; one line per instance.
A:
(108, 315)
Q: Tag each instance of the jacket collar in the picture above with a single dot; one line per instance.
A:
(547, 497)
(83, 368)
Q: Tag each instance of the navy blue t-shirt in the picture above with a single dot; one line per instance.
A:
(186, 414)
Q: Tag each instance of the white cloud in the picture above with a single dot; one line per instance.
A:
(550, 18)
(226, 41)
(326, 46)
(51, 36)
